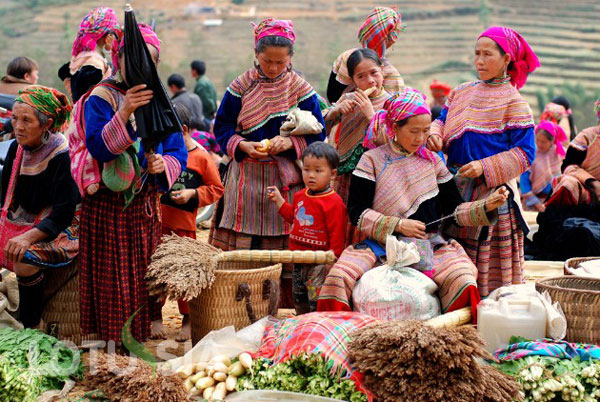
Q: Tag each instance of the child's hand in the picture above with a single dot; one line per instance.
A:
(345, 107)
(364, 104)
(182, 196)
(275, 196)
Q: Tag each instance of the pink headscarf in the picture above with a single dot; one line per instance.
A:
(557, 133)
(93, 27)
(149, 36)
(524, 59)
(402, 105)
(273, 27)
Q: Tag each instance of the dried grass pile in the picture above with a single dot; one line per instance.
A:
(121, 380)
(410, 361)
(181, 268)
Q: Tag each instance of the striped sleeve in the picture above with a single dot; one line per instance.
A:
(474, 214)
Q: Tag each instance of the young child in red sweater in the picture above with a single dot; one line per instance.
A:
(318, 215)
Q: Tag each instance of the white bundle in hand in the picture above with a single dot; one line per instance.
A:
(300, 122)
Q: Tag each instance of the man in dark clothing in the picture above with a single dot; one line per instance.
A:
(191, 101)
(204, 89)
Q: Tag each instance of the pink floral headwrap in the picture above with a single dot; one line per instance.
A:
(524, 60)
(557, 133)
(93, 27)
(273, 27)
(402, 105)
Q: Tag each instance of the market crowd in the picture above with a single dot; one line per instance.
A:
(451, 175)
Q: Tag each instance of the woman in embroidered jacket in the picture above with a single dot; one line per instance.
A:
(378, 33)
(536, 183)
(120, 222)
(253, 109)
(42, 197)
(486, 128)
(580, 182)
(403, 189)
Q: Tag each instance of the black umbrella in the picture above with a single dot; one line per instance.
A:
(156, 120)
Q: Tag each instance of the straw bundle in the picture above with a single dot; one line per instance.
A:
(410, 361)
(142, 384)
(181, 268)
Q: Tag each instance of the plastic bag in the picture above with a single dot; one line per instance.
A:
(394, 291)
(224, 341)
(300, 122)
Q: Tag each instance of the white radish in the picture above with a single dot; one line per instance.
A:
(207, 394)
(205, 382)
(220, 376)
(230, 383)
(185, 371)
(219, 392)
(201, 366)
(197, 376)
(236, 369)
(246, 360)
(221, 359)
(188, 385)
(369, 91)
(195, 391)
(220, 367)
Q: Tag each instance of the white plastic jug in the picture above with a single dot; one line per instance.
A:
(497, 321)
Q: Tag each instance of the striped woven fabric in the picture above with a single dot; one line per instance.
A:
(34, 163)
(483, 108)
(499, 257)
(544, 168)
(264, 99)
(550, 348)
(587, 141)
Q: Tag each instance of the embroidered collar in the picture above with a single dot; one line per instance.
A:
(399, 149)
(498, 81)
(263, 78)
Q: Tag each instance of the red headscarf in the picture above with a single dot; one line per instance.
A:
(524, 60)
(557, 133)
(97, 23)
(439, 89)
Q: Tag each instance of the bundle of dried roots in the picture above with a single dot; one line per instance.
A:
(124, 378)
(181, 268)
(410, 361)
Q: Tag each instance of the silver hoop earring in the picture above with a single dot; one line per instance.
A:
(45, 137)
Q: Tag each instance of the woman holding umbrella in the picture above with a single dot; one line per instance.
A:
(121, 221)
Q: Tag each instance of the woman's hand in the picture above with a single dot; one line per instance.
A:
(280, 144)
(435, 143)
(497, 199)
(364, 104)
(183, 196)
(344, 107)
(275, 196)
(471, 170)
(17, 246)
(411, 228)
(539, 207)
(156, 163)
(251, 149)
(134, 98)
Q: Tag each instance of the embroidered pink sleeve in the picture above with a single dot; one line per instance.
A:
(474, 214)
(172, 169)
(115, 135)
(376, 225)
(500, 168)
(233, 143)
(299, 145)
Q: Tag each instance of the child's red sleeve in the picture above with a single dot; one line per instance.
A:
(287, 212)
(336, 218)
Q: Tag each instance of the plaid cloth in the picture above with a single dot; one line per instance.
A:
(380, 30)
(550, 348)
(326, 333)
(115, 248)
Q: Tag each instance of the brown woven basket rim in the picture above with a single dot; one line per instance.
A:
(569, 262)
(544, 285)
(273, 267)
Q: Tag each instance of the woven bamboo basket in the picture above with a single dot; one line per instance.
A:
(61, 312)
(579, 298)
(573, 263)
(246, 288)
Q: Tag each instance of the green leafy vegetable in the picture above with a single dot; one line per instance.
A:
(550, 379)
(32, 362)
(309, 374)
